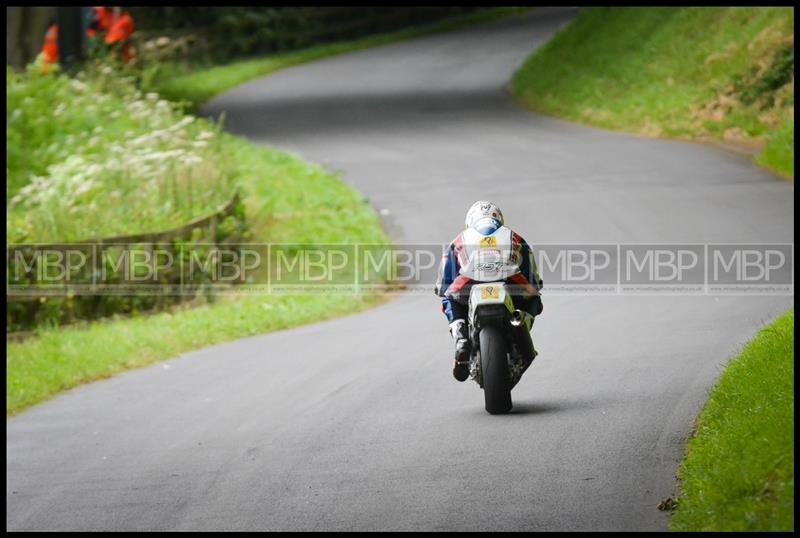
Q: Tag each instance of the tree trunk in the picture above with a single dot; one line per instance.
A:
(25, 29)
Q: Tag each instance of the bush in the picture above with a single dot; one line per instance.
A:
(91, 156)
(253, 30)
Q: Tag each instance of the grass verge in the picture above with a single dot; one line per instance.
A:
(102, 191)
(738, 474)
(91, 156)
(699, 73)
(287, 200)
(59, 359)
(196, 84)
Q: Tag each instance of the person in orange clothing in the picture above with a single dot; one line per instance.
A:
(118, 27)
(50, 46)
(120, 33)
(102, 19)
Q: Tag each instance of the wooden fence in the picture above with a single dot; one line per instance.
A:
(30, 302)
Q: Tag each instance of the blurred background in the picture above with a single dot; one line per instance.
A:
(225, 32)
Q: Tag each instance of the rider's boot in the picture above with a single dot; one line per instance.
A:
(458, 330)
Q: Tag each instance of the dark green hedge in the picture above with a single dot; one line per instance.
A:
(251, 30)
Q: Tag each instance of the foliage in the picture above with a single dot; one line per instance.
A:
(721, 73)
(237, 31)
(738, 474)
(778, 154)
(285, 198)
(92, 156)
(59, 359)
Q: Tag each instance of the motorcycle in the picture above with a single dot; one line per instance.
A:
(502, 348)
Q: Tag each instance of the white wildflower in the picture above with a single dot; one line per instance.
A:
(191, 159)
(77, 85)
(84, 187)
(93, 169)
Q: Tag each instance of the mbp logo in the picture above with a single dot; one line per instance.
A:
(577, 267)
(662, 267)
(749, 268)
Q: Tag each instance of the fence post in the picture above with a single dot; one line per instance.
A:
(71, 35)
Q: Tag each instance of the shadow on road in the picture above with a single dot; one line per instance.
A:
(276, 116)
(544, 407)
(541, 407)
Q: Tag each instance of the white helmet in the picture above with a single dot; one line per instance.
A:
(484, 216)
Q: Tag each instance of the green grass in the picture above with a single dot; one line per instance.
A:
(58, 359)
(91, 156)
(707, 73)
(778, 154)
(196, 84)
(738, 474)
(287, 200)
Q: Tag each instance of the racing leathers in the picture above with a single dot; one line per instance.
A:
(461, 266)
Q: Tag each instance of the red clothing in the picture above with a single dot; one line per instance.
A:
(102, 20)
(121, 29)
(50, 46)
(120, 32)
(454, 288)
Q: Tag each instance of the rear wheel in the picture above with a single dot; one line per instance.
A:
(494, 366)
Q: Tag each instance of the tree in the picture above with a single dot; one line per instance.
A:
(25, 29)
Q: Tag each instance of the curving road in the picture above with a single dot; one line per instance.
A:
(356, 423)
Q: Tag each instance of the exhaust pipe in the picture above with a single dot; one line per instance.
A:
(521, 324)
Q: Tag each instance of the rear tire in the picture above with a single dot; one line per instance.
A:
(494, 366)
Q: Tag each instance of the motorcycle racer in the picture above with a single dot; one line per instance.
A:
(485, 251)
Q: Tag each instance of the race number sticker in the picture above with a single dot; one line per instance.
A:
(488, 242)
(490, 292)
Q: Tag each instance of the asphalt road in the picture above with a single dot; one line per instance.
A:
(356, 423)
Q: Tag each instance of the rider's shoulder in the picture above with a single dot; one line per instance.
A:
(517, 238)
